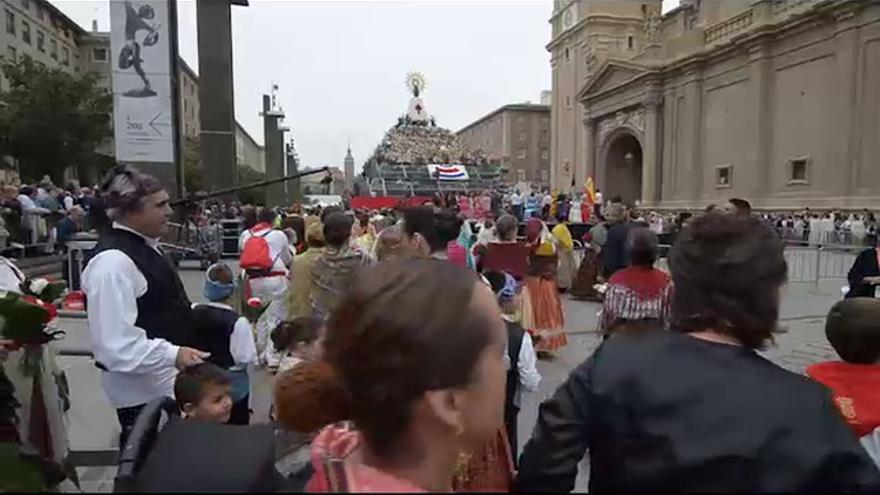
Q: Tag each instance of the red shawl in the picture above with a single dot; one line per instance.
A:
(854, 387)
(646, 283)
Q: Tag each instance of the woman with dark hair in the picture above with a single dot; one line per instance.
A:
(864, 276)
(542, 311)
(506, 254)
(298, 226)
(413, 360)
(332, 272)
(248, 216)
(588, 273)
(696, 409)
(638, 297)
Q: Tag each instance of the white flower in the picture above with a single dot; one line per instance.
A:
(38, 285)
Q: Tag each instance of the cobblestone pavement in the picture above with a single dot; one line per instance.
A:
(93, 423)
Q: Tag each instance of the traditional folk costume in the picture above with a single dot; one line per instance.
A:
(565, 251)
(542, 312)
(637, 298)
(139, 316)
(588, 272)
(269, 287)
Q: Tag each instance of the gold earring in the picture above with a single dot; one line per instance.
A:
(459, 430)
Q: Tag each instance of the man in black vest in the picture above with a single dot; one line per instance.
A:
(139, 315)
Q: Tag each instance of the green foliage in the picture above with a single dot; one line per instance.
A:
(21, 321)
(50, 119)
(247, 175)
(193, 173)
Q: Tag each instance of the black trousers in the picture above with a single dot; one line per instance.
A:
(511, 413)
(241, 413)
(127, 416)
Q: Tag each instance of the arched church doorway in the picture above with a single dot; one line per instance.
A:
(623, 168)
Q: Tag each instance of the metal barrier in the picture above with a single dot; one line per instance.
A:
(807, 264)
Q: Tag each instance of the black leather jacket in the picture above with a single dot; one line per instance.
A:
(670, 412)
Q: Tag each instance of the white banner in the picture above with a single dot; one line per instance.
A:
(141, 57)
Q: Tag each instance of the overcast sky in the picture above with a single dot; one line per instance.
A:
(341, 65)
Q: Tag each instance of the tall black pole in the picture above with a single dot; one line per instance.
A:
(216, 94)
(180, 188)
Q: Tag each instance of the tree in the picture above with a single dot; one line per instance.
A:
(193, 174)
(51, 120)
(247, 175)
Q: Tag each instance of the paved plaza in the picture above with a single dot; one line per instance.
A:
(93, 422)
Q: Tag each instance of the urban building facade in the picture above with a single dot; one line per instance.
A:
(769, 100)
(519, 135)
(37, 29)
(248, 153)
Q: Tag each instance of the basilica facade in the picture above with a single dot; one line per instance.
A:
(775, 101)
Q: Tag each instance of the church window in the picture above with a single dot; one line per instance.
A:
(568, 102)
(523, 154)
(629, 42)
(798, 170)
(545, 155)
(521, 136)
(544, 177)
(521, 175)
(723, 176)
(567, 55)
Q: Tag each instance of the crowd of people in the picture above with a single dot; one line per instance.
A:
(399, 344)
(41, 215)
(412, 144)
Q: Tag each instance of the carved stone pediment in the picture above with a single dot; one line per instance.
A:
(611, 74)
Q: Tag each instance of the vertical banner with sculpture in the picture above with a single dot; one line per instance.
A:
(143, 105)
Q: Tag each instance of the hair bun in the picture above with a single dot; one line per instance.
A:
(310, 396)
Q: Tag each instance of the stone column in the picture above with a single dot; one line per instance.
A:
(216, 98)
(760, 166)
(694, 97)
(651, 158)
(589, 151)
(846, 120)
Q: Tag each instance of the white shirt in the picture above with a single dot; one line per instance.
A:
(241, 342)
(139, 369)
(10, 276)
(280, 252)
(516, 199)
(27, 204)
(526, 368)
(68, 203)
(547, 201)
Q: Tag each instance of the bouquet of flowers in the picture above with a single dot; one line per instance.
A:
(25, 321)
(44, 289)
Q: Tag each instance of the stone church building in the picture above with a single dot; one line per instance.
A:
(775, 101)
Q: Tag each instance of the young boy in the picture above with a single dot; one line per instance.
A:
(521, 372)
(853, 329)
(227, 336)
(202, 392)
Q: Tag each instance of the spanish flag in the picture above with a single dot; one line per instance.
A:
(590, 191)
